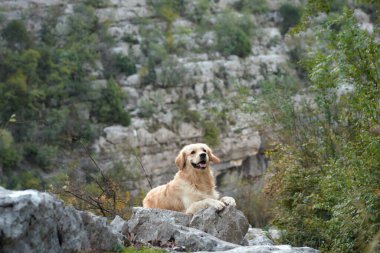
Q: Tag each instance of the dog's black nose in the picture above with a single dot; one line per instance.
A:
(202, 156)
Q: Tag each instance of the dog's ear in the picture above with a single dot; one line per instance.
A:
(213, 158)
(180, 161)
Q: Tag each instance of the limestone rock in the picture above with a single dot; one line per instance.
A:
(120, 225)
(32, 221)
(165, 227)
(256, 236)
(229, 225)
(142, 215)
(188, 131)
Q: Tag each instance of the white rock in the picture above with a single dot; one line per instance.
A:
(163, 135)
(188, 131)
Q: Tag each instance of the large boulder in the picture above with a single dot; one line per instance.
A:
(32, 221)
(230, 225)
(165, 227)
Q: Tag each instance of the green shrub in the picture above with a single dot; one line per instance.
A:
(233, 35)
(211, 135)
(16, 35)
(326, 175)
(172, 73)
(252, 6)
(168, 10)
(184, 114)
(148, 75)
(9, 156)
(97, 3)
(146, 109)
(125, 65)
(199, 11)
(46, 156)
(291, 16)
(109, 108)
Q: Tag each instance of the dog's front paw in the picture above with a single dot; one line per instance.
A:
(218, 205)
(228, 201)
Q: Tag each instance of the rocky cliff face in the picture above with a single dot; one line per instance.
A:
(203, 85)
(209, 82)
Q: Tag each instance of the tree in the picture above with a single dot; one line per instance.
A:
(326, 171)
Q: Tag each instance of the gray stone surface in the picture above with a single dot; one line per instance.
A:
(168, 233)
(269, 249)
(256, 236)
(229, 225)
(120, 225)
(142, 215)
(32, 221)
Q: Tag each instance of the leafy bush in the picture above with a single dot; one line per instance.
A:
(125, 65)
(326, 178)
(172, 73)
(16, 35)
(168, 10)
(233, 35)
(46, 156)
(47, 84)
(148, 75)
(211, 135)
(146, 109)
(109, 108)
(253, 6)
(97, 3)
(198, 12)
(9, 156)
(291, 16)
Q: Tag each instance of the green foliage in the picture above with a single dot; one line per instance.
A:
(146, 109)
(172, 73)
(148, 75)
(97, 3)
(326, 177)
(16, 35)
(234, 35)
(43, 156)
(199, 11)
(167, 10)
(252, 6)
(185, 114)
(291, 16)
(9, 156)
(125, 65)
(46, 83)
(211, 135)
(109, 108)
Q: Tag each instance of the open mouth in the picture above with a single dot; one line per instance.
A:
(201, 165)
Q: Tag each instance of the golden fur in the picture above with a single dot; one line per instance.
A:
(193, 186)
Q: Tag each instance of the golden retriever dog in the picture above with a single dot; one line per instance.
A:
(193, 186)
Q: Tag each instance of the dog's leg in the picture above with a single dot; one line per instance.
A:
(199, 205)
(228, 201)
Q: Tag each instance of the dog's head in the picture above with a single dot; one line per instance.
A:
(195, 156)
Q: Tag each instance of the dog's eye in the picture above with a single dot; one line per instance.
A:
(204, 150)
(192, 152)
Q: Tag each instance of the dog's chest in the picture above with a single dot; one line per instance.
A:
(191, 195)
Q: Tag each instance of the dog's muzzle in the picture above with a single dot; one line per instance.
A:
(202, 164)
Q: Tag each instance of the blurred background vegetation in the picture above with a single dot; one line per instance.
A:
(324, 174)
